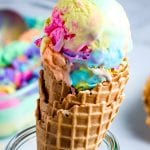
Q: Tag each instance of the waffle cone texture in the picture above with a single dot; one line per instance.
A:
(76, 121)
(147, 101)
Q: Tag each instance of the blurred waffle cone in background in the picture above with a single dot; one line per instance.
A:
(67, 120)
(147, 101)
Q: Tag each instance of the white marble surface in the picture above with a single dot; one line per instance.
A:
(128, 127)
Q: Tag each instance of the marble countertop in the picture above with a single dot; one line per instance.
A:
(129, 127)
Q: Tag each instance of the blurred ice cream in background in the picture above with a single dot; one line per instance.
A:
(19, 67)
(18, 55)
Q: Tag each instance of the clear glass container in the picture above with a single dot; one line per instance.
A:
(26, 140)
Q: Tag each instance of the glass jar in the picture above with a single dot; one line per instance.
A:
(26, 140)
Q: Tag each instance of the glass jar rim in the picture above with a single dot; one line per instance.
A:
(24, 136)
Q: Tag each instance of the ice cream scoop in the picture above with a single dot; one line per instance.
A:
(90, 34)
(12, 25)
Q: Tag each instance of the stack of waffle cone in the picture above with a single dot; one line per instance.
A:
(77, 121)
(147, 101)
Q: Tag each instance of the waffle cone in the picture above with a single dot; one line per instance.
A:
(69, 121)
(105, 91)
(147, 101)
(56, 90)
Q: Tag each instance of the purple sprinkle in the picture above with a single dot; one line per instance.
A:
(83, 54)
(28, 53)
(10, 73)
(27, 75)
(32, 51)
(69, 53)
(35, 75)
(16, 64)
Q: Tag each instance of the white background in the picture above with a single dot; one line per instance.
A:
(128, 127)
